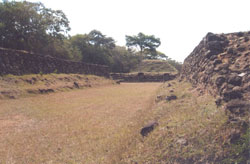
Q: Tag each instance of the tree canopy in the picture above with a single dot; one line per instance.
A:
(146, 43)
(31, 26)
(97, 39)
(97, 48)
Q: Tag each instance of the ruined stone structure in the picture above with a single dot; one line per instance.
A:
(143, 77)
(220, 64)
(21, 62)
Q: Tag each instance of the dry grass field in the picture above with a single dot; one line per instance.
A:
(101, 125)
(192, 130)
(92, 126)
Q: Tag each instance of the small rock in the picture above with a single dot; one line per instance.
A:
(230, 51)
(159, 98)
(213, 37)
(215, 47)
(219, 81)
(237, 88)
(148, 128)
(246, 39)
(240, 34)
(76, 85)
(223, 71)
(217, 61)
(218, 102)
(140, 74)
(12, 97)
(235, 80)
(230, 86)
(229, 95)
(234, 136)
(134, 162)
(210, 53)
(241, 49)
(182, 141)
(46, 91)
(237, 106)
(242, 74)
(171, 97)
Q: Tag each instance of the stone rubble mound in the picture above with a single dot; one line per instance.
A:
(220, 65)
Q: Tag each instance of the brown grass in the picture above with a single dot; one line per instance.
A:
(102, 125)
(192, 118)
(155, 66)
(28, 85)
(81, 126)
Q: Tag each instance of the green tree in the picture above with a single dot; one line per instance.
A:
(95, 47)
(123, 60)
(97, 39)
(31, 26)
(146, 43)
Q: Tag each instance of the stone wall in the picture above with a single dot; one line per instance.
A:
(143, 77)
(21, 62)
(220, 64)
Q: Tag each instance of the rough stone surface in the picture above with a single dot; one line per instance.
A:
(21, 62)
(220, 65)
(238, 106)
(143, 77)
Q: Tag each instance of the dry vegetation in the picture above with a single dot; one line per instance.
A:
(155, 66)
(191, 130)
(89, 126)
(28, 85)
(102, 125)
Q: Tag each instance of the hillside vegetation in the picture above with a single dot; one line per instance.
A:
(45, 31)
(157, 66)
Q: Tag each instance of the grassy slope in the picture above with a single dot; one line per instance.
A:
(154, 66)
(191, 130)
(26, 85)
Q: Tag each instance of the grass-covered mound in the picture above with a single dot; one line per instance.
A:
(157, 66)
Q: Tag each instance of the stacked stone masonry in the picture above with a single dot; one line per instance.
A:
(220, 64)
(21, 62)
(143, 77)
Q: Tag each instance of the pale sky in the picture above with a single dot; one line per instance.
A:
(180, 24)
